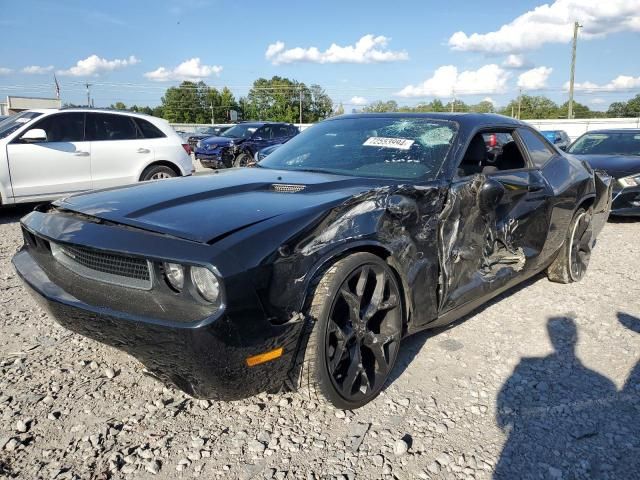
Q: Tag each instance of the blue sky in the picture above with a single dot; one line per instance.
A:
(129, 49)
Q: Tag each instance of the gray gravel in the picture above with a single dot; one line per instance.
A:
(538, 384)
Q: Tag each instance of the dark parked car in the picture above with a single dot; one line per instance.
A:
(205, 132)
(618, 153)
(237, 146)
(261, 154)
(309, 269)
(558, 137)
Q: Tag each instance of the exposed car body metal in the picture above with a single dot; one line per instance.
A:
(269, 244)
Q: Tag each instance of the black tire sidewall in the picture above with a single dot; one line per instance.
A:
(347, 266)
(151, 171)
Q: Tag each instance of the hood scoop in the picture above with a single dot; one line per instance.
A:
(287, 188)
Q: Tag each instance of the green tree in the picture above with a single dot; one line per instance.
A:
(380, 106)
(183, 104)
(579, 110)
(279, 99)
(617, 109)
(532, 107)
(339, 109)
(484, 106)
(118, 106)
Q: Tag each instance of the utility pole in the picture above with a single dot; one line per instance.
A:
(519, 103)
(213, 119)
(453, 101)
(576, 26)
(87, 85)
(301, 104)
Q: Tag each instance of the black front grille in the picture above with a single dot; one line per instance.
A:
(112, 264)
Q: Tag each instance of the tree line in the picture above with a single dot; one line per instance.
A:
(526, 107)
(282, 99)
(276, 99)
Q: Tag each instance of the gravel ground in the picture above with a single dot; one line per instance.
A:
(537, 384)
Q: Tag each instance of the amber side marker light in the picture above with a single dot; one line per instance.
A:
(264, 357)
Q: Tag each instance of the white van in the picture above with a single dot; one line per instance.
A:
(46, 154)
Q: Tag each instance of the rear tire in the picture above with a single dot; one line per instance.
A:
(573, 259)
(353, 336)
(157, 172)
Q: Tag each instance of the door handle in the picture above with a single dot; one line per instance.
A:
(143, 150)
(81, 154)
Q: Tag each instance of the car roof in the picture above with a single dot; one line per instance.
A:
(93, 110)
(261, 124)
(466, 119)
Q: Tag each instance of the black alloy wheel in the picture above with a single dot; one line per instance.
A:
(572, 260)
(356, 336)
(580, 246)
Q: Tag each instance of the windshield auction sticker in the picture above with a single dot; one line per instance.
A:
(388, 142)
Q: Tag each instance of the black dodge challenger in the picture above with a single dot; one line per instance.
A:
(308, 270)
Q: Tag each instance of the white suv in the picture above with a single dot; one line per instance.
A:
(45, 154)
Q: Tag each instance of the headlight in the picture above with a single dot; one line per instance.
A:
(174, 274)
(199, 144)
(206, 283)
(631, 181)
(211, 146)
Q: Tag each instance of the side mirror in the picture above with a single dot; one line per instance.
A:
(563, 147)
(490, 195)
(34, 135)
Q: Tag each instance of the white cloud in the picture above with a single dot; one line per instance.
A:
(5, 71)
(94, 65)
(369, 49)
(446, 81)
(37, 70)
(598, 101)
(358, 101)
(553, 23)
(621, 82)
(515, 61)
(490, 100)
(191, 69)
(534, 79)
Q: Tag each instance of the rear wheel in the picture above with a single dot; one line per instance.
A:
(157, 172)
(571, 263)
(354, 338)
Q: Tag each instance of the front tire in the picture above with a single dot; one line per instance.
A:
(354, 336)
(573, 260)
(242, 160)
(157, 172)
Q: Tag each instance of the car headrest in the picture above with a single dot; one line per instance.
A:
(476, 153)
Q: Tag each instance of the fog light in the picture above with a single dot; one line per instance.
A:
(206, 283)
(174, 274)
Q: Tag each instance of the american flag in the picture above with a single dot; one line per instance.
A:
(57, 86)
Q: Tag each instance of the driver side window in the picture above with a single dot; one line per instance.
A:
(63, 127)
(490, 152)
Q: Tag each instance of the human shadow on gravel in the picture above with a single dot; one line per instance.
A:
(565, 421)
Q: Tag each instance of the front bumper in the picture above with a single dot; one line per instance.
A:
(626, 202)
(206, 358)
(220, 157)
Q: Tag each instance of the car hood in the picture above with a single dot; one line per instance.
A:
(220, 140)
(617, 166)
(208, 207)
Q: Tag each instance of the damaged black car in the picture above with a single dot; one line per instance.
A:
(308, 270)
